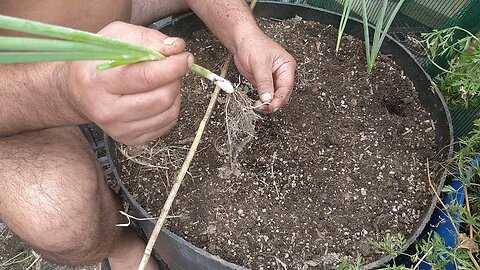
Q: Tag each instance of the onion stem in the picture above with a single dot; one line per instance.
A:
(66, 44)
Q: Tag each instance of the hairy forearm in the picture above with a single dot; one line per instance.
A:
(32, 97)
(230, 20)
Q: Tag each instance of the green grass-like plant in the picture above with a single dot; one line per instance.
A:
(381, 30)
(66, 44)
(382, 24)
(347, 7)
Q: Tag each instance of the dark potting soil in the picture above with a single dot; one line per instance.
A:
(342, 164)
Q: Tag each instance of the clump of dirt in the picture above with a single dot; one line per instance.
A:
(341, 165)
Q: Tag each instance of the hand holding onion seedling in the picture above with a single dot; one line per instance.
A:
(79, 45)
(133, 106)
(257, 57)
(132, 103)
(136, 99)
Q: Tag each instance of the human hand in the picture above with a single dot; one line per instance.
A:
(136, 103)
(269, 67)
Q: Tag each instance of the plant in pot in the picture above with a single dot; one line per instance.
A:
(309, 190)
(454, 244)
(449, 241)
(315, 184)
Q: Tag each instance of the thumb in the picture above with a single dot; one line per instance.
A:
(262, 72)
(146, 37)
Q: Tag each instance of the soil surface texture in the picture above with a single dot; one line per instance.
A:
(339, 166)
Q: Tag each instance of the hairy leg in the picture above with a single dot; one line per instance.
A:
(91, 15)
(55, 198)
(80, 14)
(145, 12)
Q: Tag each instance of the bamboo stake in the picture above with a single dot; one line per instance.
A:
(469, 252)
(183, 171)
(468, 209)
(475, 263)
(186, 164)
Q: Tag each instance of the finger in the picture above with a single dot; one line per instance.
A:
(284, 80)
(159, 121)
(148, 104)
(146, 37)
(145, 76)
(152, 135)
(131, 133)
(284, 74)
(245, 73)
(279, 102)
(262, 71)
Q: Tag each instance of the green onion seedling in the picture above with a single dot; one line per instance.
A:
(343, 22)
(380, 30)
(66, 44)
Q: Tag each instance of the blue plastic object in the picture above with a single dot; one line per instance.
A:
(440, 222)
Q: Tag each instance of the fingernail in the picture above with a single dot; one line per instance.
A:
(170, 40)
(266, 97)
(190, 61)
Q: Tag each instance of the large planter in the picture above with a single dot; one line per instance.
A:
(178, 253)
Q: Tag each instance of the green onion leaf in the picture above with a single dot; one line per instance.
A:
(30, 57)
(73, 45)
(47, 30)
(343, 22)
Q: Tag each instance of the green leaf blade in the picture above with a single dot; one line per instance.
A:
(22, 44)
(59, 32)
(377, 43)
(366, 33)
(343, 22)
(30, 57)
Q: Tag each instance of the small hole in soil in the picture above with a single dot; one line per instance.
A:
(395, 107)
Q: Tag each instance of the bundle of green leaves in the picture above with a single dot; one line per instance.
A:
(460, 80)
(66, 44)
(382, 23)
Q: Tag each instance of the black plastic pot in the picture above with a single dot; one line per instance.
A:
(178, 253)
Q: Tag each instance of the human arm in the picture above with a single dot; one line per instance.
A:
(133, 104)
(30, 99)
(261, 60)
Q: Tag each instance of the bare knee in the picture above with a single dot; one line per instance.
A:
(72, 226)
(58, 200)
